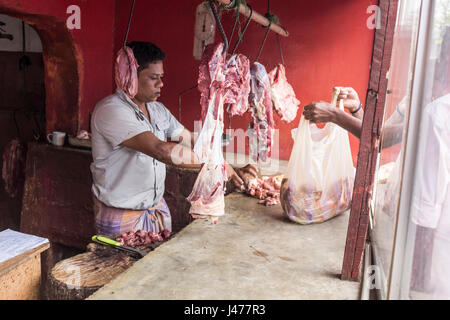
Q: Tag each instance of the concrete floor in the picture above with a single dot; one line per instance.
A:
(253, 253)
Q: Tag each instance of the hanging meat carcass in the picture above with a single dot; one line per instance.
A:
(207, 196)
(126, 71)
(211, 76)
(260, 104)
(283, 95)
(237, 85)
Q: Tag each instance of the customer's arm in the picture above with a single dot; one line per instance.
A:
(320, 112)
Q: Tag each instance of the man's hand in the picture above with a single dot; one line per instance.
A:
(320, 112)
(350, 98)
(242, 175)
(248, 172)
(233, 176)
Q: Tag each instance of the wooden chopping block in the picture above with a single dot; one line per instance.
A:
(78, 277)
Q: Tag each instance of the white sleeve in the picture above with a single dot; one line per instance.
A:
(175, 127)
(432, 175)
(117, 124)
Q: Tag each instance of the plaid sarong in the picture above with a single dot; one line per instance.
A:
(109, 220)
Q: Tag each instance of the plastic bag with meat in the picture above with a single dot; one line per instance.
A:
(207, 196)
(283, 95)
(318, 183)
(126, 71)
(260, 104)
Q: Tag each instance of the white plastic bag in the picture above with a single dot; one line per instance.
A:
(318, 183)
(207, 196)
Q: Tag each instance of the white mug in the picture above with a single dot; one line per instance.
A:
(57, 138)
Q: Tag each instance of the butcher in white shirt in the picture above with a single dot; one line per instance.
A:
(130, 151)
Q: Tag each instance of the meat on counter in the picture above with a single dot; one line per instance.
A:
(266, 189)
(142, 237)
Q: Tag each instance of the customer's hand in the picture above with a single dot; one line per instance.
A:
(350, 98)
(319, 112)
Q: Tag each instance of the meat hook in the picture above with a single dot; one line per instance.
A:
(219, 24)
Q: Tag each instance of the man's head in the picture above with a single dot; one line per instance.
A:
(442, 71)
(150, 72)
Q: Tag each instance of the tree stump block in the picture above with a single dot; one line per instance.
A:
(78, 277)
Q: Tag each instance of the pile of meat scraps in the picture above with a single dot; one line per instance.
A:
(126, 72)
(266, 189)
(83, 135)
(141, 237)
(283, 95)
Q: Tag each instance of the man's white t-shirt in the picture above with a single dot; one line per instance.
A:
(431, 196)
(123, 177)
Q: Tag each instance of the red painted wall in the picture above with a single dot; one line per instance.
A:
(329, 45)
(93, 47)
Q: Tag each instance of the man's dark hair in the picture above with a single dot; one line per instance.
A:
(146, 53)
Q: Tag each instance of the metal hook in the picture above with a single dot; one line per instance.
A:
(264, 40)
(219, 24)
(179, 100)
(281, 51)
(243, 31)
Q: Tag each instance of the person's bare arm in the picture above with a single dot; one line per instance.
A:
(350, 123)
(322, 112)
(167, 152)
(392, 135)
(178, 155)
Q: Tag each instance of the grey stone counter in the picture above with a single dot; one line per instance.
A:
(253, 253)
